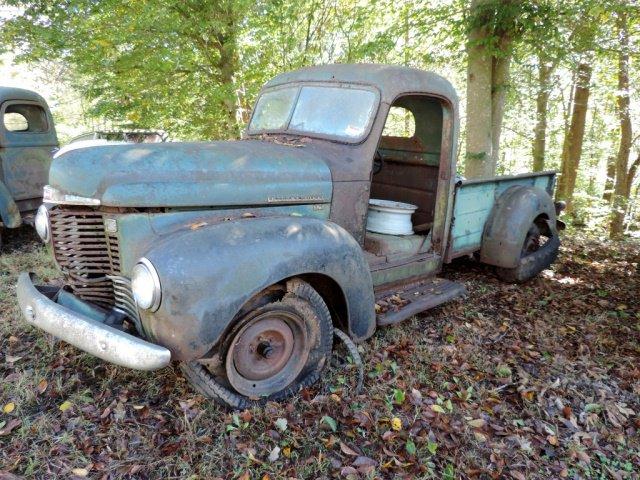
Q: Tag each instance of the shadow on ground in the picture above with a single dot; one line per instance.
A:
(534, 381)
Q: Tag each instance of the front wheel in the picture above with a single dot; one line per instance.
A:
(277, 346)
(540, 249)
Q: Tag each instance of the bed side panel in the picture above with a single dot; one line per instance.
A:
(474, 200)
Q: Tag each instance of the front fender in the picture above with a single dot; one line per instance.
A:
(208, 274)
(9, 213)
(507, 225)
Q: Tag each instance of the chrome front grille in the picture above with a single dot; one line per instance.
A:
(89, 256)
(123, 297)
(114, 251)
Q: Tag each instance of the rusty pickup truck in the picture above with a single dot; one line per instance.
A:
(27, 141)
(238, 259)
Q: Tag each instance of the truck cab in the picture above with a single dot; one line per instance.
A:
(357, 109)
(27, 140)
(239, 259)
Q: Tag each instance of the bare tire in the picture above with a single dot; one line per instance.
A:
(539, 251)
(275, 348)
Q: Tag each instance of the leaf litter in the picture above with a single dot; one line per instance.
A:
(532, 381)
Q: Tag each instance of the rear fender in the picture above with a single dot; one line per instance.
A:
(9, 213)
(509, 221)
(208, 274)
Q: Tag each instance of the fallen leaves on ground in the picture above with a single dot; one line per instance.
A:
(532, 381)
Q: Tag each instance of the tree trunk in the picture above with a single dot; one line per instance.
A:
(574, 136)
(622, 189)
(499, 87)
(593, 161)
(633, 170)
(542, 103)
(609, 182)
(228, 65)
(479, 157)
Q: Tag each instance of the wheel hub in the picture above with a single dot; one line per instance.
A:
(263, 348)
(267, 353)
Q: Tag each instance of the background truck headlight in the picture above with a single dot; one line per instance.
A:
(42, 223)
(145, 285)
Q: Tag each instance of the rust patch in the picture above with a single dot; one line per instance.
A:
(197, 225)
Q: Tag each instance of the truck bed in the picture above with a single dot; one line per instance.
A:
(473, 201)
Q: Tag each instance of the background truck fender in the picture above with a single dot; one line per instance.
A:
(209, 273)
(9, 213)
(507, 225)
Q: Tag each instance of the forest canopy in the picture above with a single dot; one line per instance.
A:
(544, 84)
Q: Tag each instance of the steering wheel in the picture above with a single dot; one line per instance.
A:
(378, 162)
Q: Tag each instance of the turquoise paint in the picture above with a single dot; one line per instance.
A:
(429, 266)
(9, 213)
(139, 232)
(474, 201)
(72, 302)
(246, 172)
(25, 156)
(19, 96)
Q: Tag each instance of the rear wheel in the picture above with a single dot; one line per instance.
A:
(278, 345)
(539, 250)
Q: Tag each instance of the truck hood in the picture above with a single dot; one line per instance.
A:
(244, 172)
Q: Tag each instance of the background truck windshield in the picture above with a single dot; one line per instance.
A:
(343, 113)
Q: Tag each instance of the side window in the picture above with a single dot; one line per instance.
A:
(400, 123)
(25, 118)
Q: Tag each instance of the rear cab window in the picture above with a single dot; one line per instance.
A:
(400, 123)
(24, 118)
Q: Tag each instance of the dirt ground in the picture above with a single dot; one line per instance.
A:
(533, 381)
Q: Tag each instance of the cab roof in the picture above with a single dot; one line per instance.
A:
(391, 80)
(12, 93)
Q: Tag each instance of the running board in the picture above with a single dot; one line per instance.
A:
(394, 306)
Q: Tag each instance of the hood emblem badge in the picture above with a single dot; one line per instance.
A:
(111, 225)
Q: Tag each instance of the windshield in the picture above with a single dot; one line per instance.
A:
(343, 113)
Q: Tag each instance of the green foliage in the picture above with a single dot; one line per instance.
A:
(512, 19)
(330, 421)
(398, 396)
(194, 68)
(410, 447)
(152, 63)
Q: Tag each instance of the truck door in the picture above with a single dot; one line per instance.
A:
(27, 139)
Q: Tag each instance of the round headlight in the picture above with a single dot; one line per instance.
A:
(145, 285)
(42, 223)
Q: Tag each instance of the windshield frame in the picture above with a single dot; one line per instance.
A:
(334, 138)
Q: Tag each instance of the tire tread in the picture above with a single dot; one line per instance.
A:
(205, 383)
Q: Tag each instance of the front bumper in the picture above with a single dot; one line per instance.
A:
(84, 330)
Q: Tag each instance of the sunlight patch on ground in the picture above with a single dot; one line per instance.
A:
(564, 280)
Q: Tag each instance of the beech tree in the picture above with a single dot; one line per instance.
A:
(194, 68)
(574, 135)
(582, 46)
(153, 63)
(624, 175)
(542, 103)
(494, 27)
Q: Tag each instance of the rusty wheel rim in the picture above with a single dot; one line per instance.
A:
(535, 239)
(267, 353)
(531, 241)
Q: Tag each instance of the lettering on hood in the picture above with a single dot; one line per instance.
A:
(296, 199)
